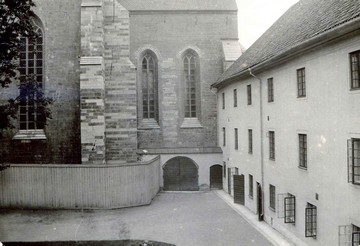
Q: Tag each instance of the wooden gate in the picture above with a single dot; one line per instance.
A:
(239, 189)
(180, 174)
(216, 181)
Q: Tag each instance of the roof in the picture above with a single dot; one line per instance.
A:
(304, 21)
(232, 49)
(179, 5)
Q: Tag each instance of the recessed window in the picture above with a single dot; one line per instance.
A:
(310, 221)
(236, 137)
(272, 196)
(223, 100)
(355, 69)
(224, 171)
(289, 209)
(354, 161)
(355, 236)
(270, 83)
(224, 136)
(149, 86)
(191, 77)
(249, 99)
(235, 98)
(250, 141)
(251, 186)
(271, 145)
(349, 235)
(301, 82)
(31, 67)
(303, 150)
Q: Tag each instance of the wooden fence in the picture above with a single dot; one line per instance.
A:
(79, 186)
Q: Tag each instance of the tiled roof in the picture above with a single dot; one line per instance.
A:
(182, 5)
(305, 20)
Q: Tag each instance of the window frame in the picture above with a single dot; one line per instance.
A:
(251, 186)
(223, 100)
(272, 145)
(290, 209)
(302, 141)
(354, 74)
(250, 141)
(150, 110)
(272, 197)
(249, 95)
(301, 82)
(224, 136)
(235, 98)
(354, 161)
(191, 81)
(236, 136)
(28, 114)
(270, 84)
(310, 220)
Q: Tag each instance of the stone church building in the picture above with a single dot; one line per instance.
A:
(130, 79)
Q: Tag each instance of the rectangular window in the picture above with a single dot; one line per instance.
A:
(249, 100)
(236, 139)
(355, 69)
(235, 98)
(272, 196)
(355, 237)
(354, 161)
(289, 209)
(251, 188)
(301, 82)
(271, 145)
(310, 220)
(224, 171)
(303, 150)
(224, 136)
(250, 141)
(270, 90)
(223, 100)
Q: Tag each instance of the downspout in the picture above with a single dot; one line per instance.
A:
(262, 141)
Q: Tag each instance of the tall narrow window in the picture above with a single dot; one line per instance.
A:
(149, 86)
(250, 141)
(271, 145)
(355, 69)
(31, 70)
(249, 99)
(301, 82)
(191, 90)
(303, 150)
(235, 98)
(354, 161)
(310, 221)
(236, 138)
(272, 196)
(224, 171)
(355, 237)
(270, 90)
(224, 136)
(251, 186)
(223, 100)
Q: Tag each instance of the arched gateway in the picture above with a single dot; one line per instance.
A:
(180, 174)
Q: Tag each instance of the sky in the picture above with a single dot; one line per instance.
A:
(256, 16)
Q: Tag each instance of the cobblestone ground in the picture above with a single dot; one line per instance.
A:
(183, 219)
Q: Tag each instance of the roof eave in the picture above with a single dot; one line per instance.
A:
(341, 30)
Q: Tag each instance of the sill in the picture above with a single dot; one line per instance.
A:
(191, 123)
(302, 168)
(251, 197)
(272, 209)
(250, 153)
(354, 90)
(301, 98)
(148, 124)
(30, 135)
(272, 159)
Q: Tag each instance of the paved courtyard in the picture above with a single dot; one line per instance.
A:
(200, 218)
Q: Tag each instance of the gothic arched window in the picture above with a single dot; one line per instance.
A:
(31, 76)
(191, 71)
(149, 86)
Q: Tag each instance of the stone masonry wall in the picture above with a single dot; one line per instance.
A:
(169, 34)
(61, 24)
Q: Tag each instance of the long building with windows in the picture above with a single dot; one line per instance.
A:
(289, 124)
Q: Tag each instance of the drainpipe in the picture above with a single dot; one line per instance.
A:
(262, 142)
